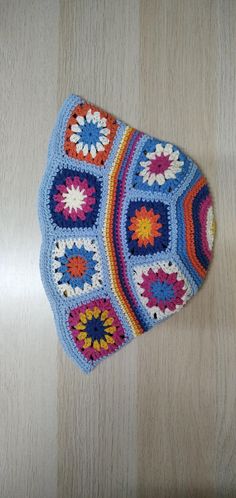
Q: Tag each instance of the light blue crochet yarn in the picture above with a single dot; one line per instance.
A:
(130, 209)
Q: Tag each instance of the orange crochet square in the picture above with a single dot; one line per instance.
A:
(90, 134)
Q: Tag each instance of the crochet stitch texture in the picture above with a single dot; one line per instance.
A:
(127, 226)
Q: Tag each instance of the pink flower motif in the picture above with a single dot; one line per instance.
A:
(75, 198)
(164, 290)
(161, 165)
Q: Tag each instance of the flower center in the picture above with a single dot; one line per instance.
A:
(162, 291)
(90, 134)
(159, 164)
(74, 198)
(144, 228)
(77, 266)
(95, 329)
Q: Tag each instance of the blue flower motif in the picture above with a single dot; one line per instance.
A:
(77, 267)
(90, 133)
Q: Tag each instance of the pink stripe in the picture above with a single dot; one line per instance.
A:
(118, 222)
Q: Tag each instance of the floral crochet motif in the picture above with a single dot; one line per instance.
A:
(161, 167)
(162, 288)
(145, 226)
(90, 134)
(75, 199)
(76, 266)
(162, 164)
(96, 329)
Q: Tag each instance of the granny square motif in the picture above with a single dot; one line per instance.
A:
(127, 231)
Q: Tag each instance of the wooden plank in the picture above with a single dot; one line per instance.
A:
(158, 419)
(28, 389)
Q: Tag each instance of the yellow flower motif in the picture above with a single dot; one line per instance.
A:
(145, 226)
(103, 318)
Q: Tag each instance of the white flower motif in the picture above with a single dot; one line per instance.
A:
(90, 134)
(162, 165)
(88, 246)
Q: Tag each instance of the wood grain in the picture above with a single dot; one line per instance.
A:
(157, 420)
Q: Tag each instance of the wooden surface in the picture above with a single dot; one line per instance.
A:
(159, 418)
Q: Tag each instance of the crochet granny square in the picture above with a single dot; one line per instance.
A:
(127, 231)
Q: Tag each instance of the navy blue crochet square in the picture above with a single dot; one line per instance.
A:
(75, 199)
(147, 227)
(160, 167)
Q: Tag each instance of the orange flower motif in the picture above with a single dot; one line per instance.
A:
(145, 226)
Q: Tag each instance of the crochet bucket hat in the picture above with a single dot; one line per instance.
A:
(127, 231)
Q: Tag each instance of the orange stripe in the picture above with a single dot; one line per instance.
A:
(189, 227)
(108, 230)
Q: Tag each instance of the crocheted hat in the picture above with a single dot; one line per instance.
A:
(127, 227)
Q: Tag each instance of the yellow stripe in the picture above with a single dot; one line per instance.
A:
(108, 242)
